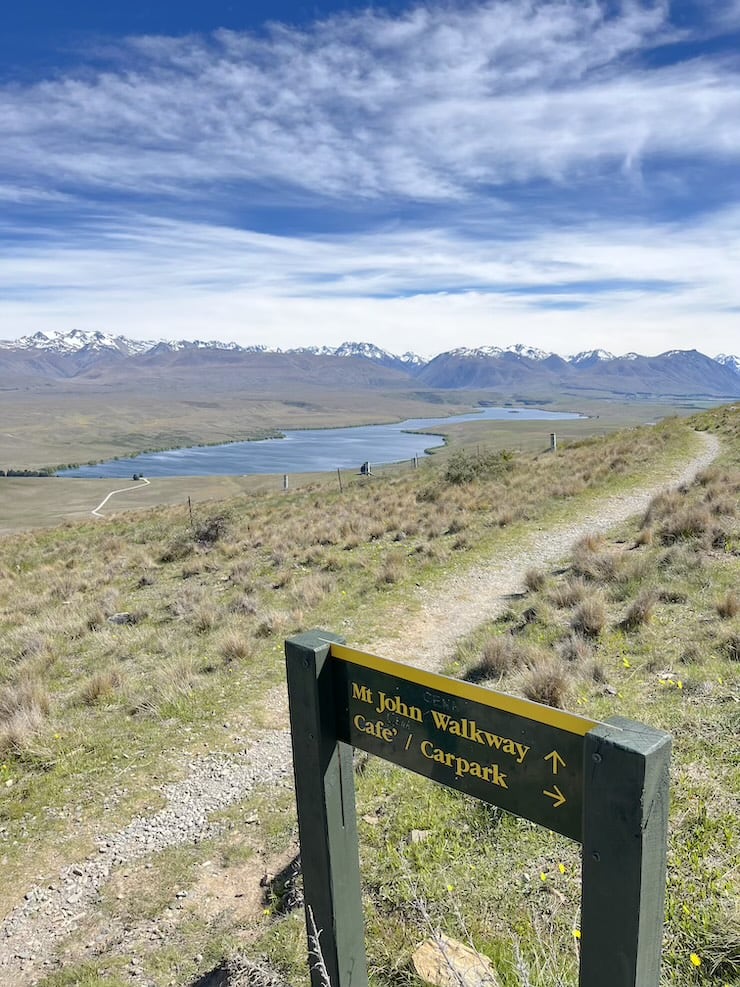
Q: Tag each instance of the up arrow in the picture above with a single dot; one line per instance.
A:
(556, 759)
(557, 796)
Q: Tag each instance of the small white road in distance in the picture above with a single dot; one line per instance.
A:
(104, 501)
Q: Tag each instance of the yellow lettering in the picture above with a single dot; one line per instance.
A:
(362, 693)
(463, 766)
(394, 704)
(377, 729)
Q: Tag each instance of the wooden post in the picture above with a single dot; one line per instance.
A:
(325, 796)
(553, 442)
(339, 477)
(285, 481)
(625, 824)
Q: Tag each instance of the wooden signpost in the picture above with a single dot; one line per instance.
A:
(604, 785)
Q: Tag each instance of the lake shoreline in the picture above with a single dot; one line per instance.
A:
(300, 450)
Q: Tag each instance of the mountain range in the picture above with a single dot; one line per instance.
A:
(79, 354)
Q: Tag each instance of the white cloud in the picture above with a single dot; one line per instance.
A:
(427, 106)
(431, 288)
(488, 114)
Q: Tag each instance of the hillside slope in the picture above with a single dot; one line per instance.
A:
(172, 701)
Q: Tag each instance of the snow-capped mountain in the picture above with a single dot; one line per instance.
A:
(516, 368)
(79, 339)
(483, 352)
(588, 358)
(727, 360)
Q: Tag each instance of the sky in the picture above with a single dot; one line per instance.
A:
(563, 174)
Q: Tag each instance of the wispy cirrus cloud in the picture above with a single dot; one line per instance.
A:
(512, 168)
(430, 105)
(593, 283)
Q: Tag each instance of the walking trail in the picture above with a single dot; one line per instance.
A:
(50, 913)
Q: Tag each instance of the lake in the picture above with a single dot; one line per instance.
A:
(307, 450)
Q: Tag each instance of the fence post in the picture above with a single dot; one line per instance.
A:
(625, 825)
(327, 825)
(553, 442)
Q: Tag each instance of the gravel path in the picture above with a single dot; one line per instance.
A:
(465, 600)
(50, 913)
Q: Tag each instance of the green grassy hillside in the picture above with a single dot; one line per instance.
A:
(132, 646)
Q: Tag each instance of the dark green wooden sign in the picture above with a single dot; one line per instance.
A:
(604, 785)
(522, 756)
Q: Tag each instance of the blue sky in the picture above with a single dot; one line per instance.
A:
(563, 174)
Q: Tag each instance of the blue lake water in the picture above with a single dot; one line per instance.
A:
(307, 450)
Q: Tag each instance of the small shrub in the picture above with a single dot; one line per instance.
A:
(666, 595)
(245, 604)
(429, 495)
(177, 550)
(464, 467)
(211, 530)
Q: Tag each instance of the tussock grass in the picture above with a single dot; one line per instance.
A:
(640, 611)
(233, 645)
(729, 605)
(500, 655)
(101, 686)
(534, 579)
(590, 617)
(24, 707)
(546, 681)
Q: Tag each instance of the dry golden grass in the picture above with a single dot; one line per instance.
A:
(640, 611)
(24, 707)
(546, 681)
(729, 606)
(590, 617)
(534, 579)
(500, 656)
(101, 686)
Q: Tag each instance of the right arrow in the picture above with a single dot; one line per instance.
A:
(556, 759)
(557, 795)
